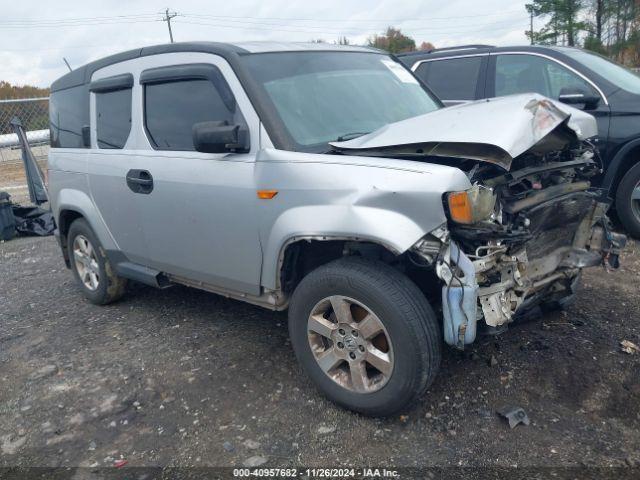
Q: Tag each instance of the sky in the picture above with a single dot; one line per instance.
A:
(37, 35)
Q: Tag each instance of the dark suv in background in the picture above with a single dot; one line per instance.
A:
(585, 80)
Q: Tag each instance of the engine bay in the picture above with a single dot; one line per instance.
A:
(543, 223)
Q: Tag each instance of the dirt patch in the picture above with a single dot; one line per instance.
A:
(13, 179)
(180, 377)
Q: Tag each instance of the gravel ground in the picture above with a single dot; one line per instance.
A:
(181, 377)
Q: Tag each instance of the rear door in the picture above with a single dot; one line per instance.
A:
(454, 80)
(112, 155)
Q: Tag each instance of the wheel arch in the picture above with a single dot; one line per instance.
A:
(65, 218)
(73, 203)
(393, 232)
(303, 254)
(627, 156)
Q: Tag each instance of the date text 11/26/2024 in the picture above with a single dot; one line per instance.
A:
(316, 472)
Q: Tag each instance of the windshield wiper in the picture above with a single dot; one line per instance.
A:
(350, 136)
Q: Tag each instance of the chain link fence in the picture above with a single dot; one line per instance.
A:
(34, 115)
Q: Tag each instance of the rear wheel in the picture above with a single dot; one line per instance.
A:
(90, 266)
(365, 334)
(628, 201)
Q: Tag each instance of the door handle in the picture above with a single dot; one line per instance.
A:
(140, 181)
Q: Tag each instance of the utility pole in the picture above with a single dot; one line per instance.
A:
(167, 18)
(531, 26)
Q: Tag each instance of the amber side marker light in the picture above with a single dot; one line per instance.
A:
(460, 207)
(267, 194)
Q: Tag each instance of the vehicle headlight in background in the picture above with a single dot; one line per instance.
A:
(472, 205)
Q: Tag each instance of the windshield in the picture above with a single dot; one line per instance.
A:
(616, 74)
(323, 96)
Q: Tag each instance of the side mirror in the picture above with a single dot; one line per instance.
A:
(220, 137)
(577, 96)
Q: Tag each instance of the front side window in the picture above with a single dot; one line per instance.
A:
(452, 79)
(323, 96)
(113, 118)
(523, 73)
(616, 74)
(172, 108)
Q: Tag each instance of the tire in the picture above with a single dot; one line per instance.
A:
(109, 287)
(410, 333)
(627, 209)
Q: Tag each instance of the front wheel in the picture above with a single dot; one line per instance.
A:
(365, 334)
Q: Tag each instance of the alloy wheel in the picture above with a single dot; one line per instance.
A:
(86, 262)
(635, 201)
(350, 344)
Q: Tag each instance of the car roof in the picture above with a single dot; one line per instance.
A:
(264, 47)
(461, 50)
(228, 51)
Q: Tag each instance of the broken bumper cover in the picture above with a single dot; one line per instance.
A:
(498, 280)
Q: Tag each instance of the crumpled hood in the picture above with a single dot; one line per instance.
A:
(494, 130)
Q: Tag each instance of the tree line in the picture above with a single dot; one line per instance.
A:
(392, 40)
(608, 27)
(9, 91)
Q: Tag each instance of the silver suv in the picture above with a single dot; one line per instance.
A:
(327, 180)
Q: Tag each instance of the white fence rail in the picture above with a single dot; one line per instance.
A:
(34, 115)
(34, 137)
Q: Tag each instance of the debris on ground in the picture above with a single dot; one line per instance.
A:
(7, 219)
(629, 347)
(132, 354)
(254, 461)
(323, 429)
(24, 221)
(251, 444)
(515, 416)
(33, 221)
(120, 463)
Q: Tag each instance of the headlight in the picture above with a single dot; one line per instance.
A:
(471, 206)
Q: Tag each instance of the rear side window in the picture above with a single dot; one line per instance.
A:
(68, 114)
(452, 79)
(113, 118)
(172, 108)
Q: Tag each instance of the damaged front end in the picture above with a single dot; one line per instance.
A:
(531, 220)
(520, 238)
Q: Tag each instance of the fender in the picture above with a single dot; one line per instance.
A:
(616, 162)
(386, 201)
(79, 201)
(394, 231)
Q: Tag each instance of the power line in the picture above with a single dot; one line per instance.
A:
(333, 20)
(57, 25)
(76, 20)
(27, 22)
(167, 18)
(147, 17)
(326, 29)
(342, 31)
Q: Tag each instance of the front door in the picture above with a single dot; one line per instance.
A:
(200, 218)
